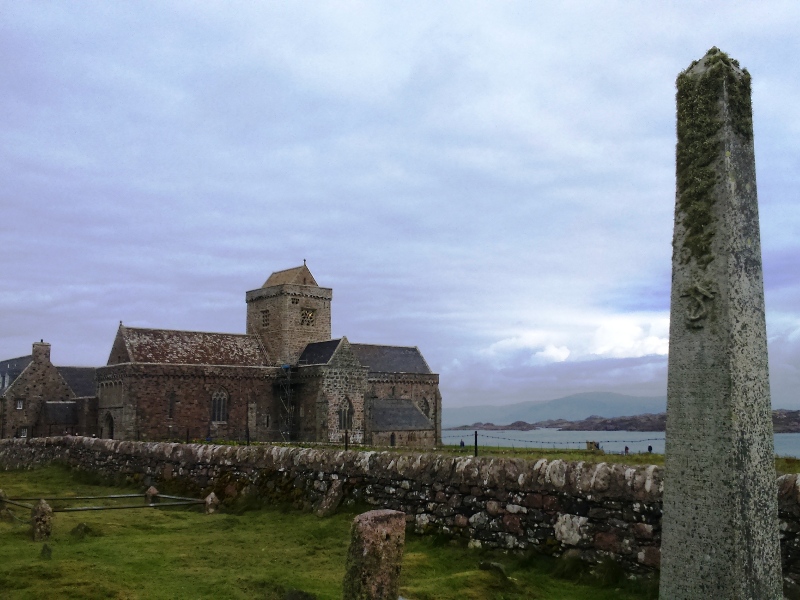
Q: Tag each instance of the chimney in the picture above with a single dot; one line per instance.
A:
(41, 352)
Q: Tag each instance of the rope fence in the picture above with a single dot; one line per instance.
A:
(41, 513)
(152, 499)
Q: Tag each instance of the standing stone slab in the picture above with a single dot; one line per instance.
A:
(42, 521)
(720, 525)
(375, 556)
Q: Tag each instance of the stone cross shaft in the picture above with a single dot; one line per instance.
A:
(720, 525)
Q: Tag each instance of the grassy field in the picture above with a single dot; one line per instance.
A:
(176, 553)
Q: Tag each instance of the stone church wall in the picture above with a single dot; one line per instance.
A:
(423, 391)
(344, 384)
(590, 510)
(164, 402)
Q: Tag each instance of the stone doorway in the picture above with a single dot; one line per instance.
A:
(108, 427)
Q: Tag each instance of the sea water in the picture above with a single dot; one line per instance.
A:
(786, 444)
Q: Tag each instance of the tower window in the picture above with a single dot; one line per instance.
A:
(23, 432)
(308, 317)
(295, 300)
(171, 405)
(265, 318)
(219, 406)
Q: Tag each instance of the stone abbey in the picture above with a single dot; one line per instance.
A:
(285, 379)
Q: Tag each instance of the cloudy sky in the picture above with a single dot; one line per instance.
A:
(490, 181)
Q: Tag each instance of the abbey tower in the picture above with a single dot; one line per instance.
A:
(289, 312)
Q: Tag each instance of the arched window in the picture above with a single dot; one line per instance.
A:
(424, 407)
(219, 406)
(346, 415)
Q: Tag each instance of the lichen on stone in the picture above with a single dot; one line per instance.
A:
(700, 97)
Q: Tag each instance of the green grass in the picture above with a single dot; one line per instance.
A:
(181, 553)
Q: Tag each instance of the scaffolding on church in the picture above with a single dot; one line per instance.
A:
(287, 403)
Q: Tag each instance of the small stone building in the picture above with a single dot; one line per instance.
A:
(39, 399)
(285, 379)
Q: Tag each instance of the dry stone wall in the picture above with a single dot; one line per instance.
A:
(591, 510)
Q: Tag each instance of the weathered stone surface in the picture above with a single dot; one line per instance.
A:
(42, 521)
(211, 503)
(331, 501)
(151, 495)
(494, 567)
(81, 530)
(720, 534)
(571, 529)
(375, 556)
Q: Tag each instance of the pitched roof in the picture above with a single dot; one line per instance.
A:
(80, 380)
(12, 367)
(296, 275)
(192, 347)
(318, 353)
(391, 359)
(397, 414)
(15, 364)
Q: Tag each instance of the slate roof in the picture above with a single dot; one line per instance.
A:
(80, 380)
(294, 275)
(391, 359)
(318, 353)
(192, 347)
(15, 364)
(61, 413)
(397, 414)
(12, 367)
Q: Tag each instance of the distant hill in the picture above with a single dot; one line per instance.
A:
(783, 421)
(571, 408)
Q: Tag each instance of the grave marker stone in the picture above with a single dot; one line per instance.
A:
(375, 556)
(720, 525)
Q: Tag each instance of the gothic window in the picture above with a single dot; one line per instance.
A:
(308, 317)
(171, 405)
(265, 318)
(425, 407)
(295, 300)
(219, 406)
(20, 404)
(346, 415)
(23, 432)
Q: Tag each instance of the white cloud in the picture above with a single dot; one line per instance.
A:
(551, 353)
(493, 183)
(628, 336)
